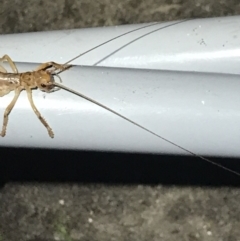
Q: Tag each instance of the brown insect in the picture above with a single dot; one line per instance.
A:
(42, 78)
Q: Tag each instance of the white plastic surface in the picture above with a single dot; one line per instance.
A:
(206, 45)
(197, 111)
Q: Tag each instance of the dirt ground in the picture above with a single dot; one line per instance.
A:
(50, 195)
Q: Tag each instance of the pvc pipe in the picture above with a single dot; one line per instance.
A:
(205, 45)
(199, 111)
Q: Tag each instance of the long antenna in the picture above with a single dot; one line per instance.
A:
(142, 127)
(108, 41)
(134, 30)
(136, 39)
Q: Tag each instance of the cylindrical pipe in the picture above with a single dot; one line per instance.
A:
(198, 111)
(204, 45)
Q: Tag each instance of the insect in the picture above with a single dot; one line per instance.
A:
(43, 78)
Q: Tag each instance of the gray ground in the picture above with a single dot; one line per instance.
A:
(47, 211)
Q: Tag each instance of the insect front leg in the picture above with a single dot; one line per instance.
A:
(29, 93)
(8, 110)
(52, 64)
(11, 63)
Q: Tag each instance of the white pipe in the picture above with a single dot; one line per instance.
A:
(205, 45)
(199, 111)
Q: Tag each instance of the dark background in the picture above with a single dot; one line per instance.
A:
(71, 196)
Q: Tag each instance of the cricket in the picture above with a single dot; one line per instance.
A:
(43, 78)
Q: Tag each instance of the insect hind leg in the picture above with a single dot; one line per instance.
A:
(10, 62)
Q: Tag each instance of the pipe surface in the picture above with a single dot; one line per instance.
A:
(198, 111)
(204, 45)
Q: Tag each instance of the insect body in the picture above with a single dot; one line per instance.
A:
(42, 78)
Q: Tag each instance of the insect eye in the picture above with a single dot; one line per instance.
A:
(43, 85)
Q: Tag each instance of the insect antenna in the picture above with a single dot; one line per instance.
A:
(144, 128)
(108, 41)
(136, 39)
(121, 35)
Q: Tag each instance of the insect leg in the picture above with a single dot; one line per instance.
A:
(8, 110)
(2, 69)
(29, 93)
(11, 63)
(52, 64)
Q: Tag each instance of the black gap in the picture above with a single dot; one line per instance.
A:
(38, 165)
